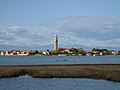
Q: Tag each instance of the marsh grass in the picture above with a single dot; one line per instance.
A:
(107, 72)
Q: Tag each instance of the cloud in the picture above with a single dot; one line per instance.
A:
(72, 31)
(13, 27)
(17, 36)
(90, 42)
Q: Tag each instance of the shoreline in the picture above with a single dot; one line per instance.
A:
(91, 71)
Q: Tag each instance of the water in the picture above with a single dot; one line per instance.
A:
(29, 83)
(41, 60)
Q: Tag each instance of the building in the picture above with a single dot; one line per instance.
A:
(56, 43)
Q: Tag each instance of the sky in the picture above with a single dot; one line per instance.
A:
(32, 24)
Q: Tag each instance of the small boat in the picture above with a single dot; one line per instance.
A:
(63, 60)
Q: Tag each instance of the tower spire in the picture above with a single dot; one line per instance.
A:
(56, 42)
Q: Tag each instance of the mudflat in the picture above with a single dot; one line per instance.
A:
(95, 71)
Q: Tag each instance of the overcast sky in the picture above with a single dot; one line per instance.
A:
(78, 23)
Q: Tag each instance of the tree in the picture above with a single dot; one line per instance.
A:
(74, 50)
(82, 52)
(36, 52)
(55, 52)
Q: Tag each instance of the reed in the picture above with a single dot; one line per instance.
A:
(106, 72)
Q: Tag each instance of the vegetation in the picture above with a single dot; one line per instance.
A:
(103, 51)
(83, 53)
(74, 50)
(107, 72)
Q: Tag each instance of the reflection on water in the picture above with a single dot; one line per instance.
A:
(29, 83)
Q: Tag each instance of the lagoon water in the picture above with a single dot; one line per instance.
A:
(43, 60)
(29, 83)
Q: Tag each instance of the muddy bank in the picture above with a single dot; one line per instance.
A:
(107, 72)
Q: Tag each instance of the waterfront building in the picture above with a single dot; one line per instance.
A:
(2, 53)
(6, 53)
(56, 43)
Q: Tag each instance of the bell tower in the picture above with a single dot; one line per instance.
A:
(56, 43)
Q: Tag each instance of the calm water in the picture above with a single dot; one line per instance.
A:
(41, 60)
(28, 83)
